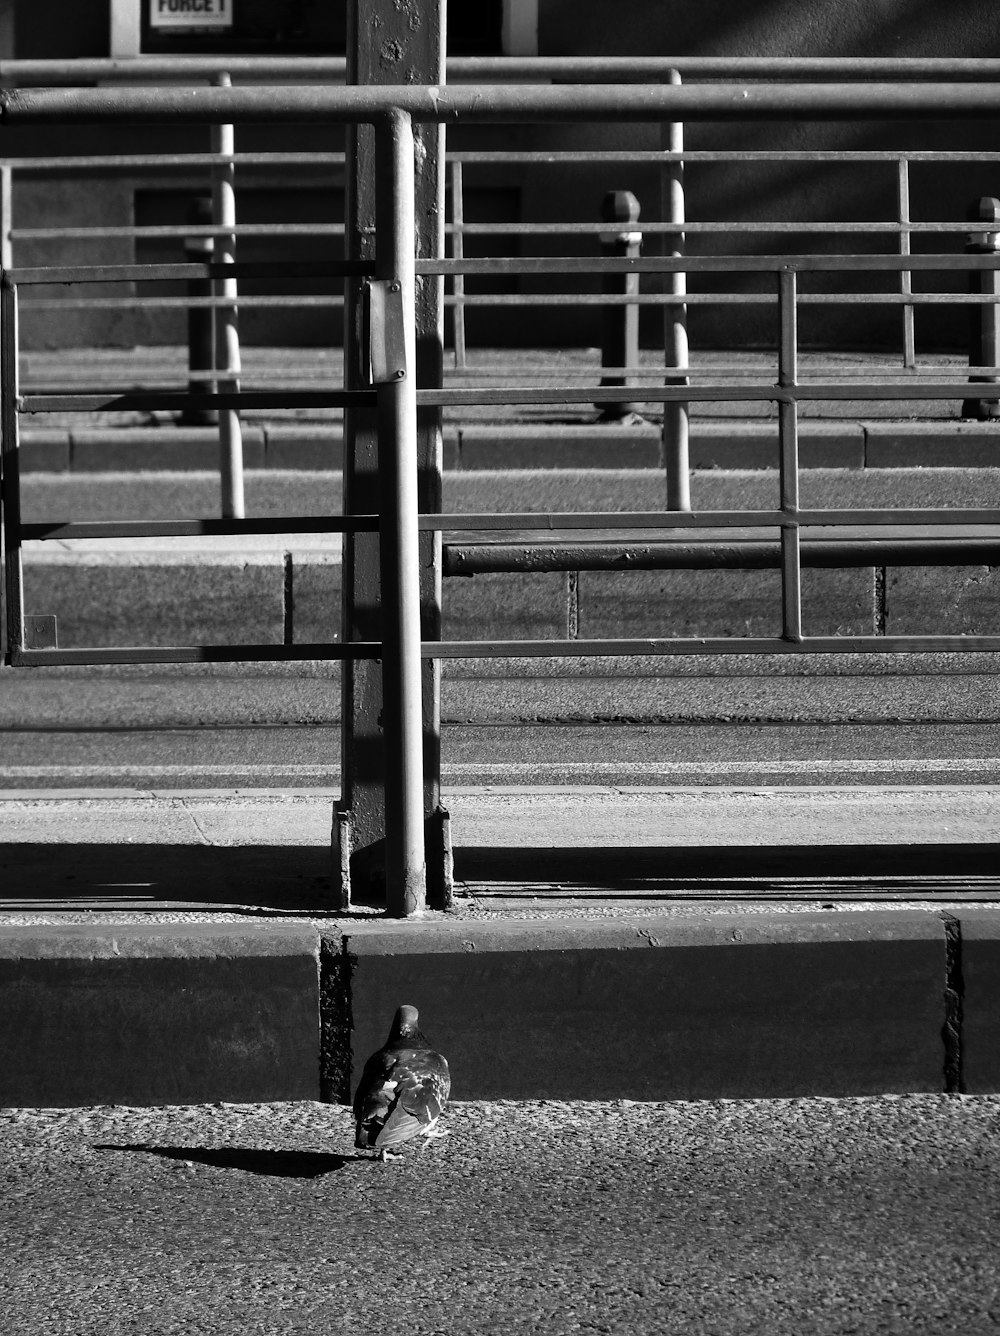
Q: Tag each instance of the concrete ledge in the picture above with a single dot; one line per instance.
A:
(171, 1014)
(43, 451)
(951, 444)
(711, 1007)
(150, 599)
(295, 446)
(754, 445)
(716, 443)
(559, 445)
(689, 1006)
(156, 449)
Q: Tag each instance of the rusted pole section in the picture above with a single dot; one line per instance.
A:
(620, 331)
(984, 326)
(406, 878)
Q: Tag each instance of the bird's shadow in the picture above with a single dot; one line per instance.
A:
(249, 1160)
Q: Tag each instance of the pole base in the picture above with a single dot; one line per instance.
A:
(359, 874)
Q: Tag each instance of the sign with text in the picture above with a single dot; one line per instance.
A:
(191, 13)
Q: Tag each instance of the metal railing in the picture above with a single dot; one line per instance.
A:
(787, 536)
(675, 230)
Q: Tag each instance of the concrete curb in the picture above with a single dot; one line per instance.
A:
(842, 443)
(159, 591)
(158, 597)
(170, 1014)
(690, 1007)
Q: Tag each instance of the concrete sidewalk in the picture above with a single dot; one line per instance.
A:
(710, 1218)
(170, 948)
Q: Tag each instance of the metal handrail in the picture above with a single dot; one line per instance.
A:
(393, 110)
(485, 69)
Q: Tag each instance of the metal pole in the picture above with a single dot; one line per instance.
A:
(905, 277)
(676, 416)
(6, 216)
(386, 46)
(458, 253)
(984, 328)
(10, 530)
(228, 348)
(620, 333)
(406, 873)
(788, 441)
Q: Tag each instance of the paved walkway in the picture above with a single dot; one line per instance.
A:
(102, 856)
(789, 1218)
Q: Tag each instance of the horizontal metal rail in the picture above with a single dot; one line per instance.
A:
(787, 538)
(543, 524)
(714, 549)
(173, 401)
(626, 647)
(56, 275)
(486, 69)
(320, 651)
(63, 530)
(499, 104)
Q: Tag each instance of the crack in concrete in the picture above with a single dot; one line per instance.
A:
(205, 838)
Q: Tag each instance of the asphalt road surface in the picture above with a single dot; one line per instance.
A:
(728, 724)
(790, 1216)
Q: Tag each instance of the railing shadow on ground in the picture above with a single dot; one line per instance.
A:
(152, 878)
(294, 880)
(733, 872)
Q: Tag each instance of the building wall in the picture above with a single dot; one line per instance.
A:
(759, 192)
(734, 193)
(770, 28)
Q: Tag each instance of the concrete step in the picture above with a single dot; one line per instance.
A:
(176, 948)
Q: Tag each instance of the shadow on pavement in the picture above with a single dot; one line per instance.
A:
(288, 880)
(814, 871)
(252, 879)
(273, 1163)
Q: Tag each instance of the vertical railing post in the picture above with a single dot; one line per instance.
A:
(6, 216)
(984, 325)
(458, 253)
(386, 46)
(905, 276)
(406, 876)
(10, 531)
(788, 456)
(227, 329)
(620, 329)
(676, 424)
(7, 577)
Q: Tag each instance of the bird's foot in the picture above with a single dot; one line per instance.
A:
(384, 1155)
(434, 1134)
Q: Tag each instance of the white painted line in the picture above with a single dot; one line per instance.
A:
(923, 765)
(459, 772)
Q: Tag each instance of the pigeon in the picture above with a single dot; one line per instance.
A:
(402, 1091)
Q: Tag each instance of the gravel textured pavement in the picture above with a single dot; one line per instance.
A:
(812, 1215)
